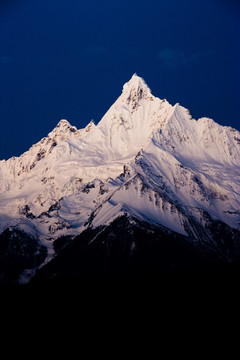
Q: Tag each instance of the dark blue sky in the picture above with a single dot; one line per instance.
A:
(70, 58)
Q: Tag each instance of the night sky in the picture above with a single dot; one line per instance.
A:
(70, 58)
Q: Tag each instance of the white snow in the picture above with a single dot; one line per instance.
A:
(187, 163)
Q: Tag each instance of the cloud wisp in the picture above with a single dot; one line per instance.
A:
(173, 59)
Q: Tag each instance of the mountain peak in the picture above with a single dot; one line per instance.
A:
(135, 90)
(62, 130)
(90, 126)
(136, 79)
(135, 82)
(63, 123)
(64, 126)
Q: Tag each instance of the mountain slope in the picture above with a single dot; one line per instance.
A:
(145, 159)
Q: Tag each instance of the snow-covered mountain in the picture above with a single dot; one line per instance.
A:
(146, 159)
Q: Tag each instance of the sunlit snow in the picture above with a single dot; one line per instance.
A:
(145, 157)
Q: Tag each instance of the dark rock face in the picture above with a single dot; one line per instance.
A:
(18, 251)
(127, 248)
(25, 210)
